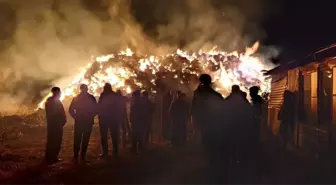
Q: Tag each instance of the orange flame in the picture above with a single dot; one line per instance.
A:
(249, 68)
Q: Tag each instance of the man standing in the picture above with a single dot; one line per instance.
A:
(206, 104)
(56, 119)
(239, 130)
(83, 110)
(257, 105)
(108, 119)
(207, 115)
(112, 112)
(259, 130)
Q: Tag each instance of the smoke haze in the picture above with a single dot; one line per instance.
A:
(45, 42)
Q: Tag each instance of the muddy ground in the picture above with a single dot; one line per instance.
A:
(22, 149)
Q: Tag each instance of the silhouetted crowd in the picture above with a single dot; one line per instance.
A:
(231, 127)
(112, 113)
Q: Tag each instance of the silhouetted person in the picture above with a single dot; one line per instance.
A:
(287, 119)
(257, 131)
(83, 109)
(56, 119)
(124, 118)
(180, 114)
(234, 89)
(109, 120)
(257, 105)
(206, 108)
(148, 109)
(204, 101)
(238, 129)
(255, 97)
(137, 121)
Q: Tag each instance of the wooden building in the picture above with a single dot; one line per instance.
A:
(313, 81)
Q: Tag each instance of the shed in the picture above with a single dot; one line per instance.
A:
(313, 81)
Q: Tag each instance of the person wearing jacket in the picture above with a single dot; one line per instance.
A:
(83, 109)
(56, 120)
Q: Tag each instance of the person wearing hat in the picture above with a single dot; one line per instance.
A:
(83, 109)
(56, 119)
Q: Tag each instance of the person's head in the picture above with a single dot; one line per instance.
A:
(56, 92)
(118, 92)
(205, 79)
(83, 88)
(254, 90)
(235, 89)
(107, 88)
(145, 94)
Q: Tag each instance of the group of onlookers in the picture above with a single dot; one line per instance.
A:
(231, 127)
(111, 110)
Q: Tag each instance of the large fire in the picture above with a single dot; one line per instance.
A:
(128, 71)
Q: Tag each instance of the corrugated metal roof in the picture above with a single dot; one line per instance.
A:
(318, 56)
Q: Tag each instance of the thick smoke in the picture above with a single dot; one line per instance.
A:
(45, 42)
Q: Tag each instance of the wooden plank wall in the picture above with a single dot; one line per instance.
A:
(277, 90)
(293, 80)
(276, 97)
(312, 137)
(293, 86)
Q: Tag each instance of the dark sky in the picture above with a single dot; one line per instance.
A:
(298, 27)
(302, 26)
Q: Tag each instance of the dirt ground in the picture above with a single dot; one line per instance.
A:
(22, 153)
(27, 147)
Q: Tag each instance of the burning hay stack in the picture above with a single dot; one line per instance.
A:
(128, 71)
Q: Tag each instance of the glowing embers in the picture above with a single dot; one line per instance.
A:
(126, 71)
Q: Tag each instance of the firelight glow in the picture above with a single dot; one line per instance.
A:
(127, 71)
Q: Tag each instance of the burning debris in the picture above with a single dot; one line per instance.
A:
(128, 71)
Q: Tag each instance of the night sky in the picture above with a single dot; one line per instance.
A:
(297, 27)
(302, 27)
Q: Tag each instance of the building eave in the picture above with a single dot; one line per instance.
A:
(319, 56)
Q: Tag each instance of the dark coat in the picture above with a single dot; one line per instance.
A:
(55, 113)
(206, 105)
(239, 121)
(83, 107)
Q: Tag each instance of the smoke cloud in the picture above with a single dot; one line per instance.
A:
(45, 42)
